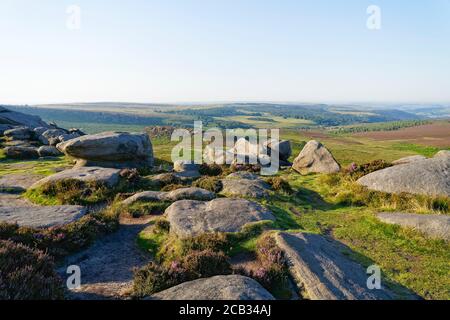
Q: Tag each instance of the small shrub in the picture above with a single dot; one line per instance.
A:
(140, 209)
(207, 241)
(279, 184)
(254, 168)
(357, 171)
(27, 274)
(154, 278)
(211, 170)
(61, 241)
(171, 187)
(207, 263)
(212, 184)
(162, 225)
(71, 191)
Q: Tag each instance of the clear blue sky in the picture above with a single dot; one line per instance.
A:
(224, 50)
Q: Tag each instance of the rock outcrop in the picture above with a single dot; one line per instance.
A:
(408, 159)
(20, 119)
(429, 177)
(433, 225)
(231, 287)
(111, 150)
(191, 218)
(107, 176)
(315, 158)
(41, 217)
(325, 273)
(48, 151)
(185, 169)
(21, 152)
(191, 193)
(245, 185)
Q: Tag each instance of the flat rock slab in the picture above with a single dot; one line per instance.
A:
(108, 176)
(41, 217)
(429, 177)
(190, 218)
(325, 273)
(252, 188)
(18, 182)
(191, 193)
(232, 287)
(433, 225)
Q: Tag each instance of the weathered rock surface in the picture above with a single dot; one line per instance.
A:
(433, 225)
(315, 158)
(110, 149)
(190, 218)
(186, 169)
(18, 133)
(283, 148)
(48, 151)
(428, 177)
(408, 159)
(191, 193)
(442, 154)
(324, 272)
(249, 186)
(4, 127)
(18, 182)
(20, 152)
(17, 119)
(51, 136)
(108, 176)
(231, 287)
(41, 217)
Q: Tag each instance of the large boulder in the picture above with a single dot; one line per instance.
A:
(429, 177)
(231, 287)
(443, 154)
(191, 218)
(4, 127)
(19, 133)
(22, 153)
(20, 119)
(107, 176)
(320, 266)
(48, 151)
(283, 148)
(433, 225)
(245, 185)
(110, 149)
(51, 136)
(315, 158)
(191, 193)
(41, 217)
(408, 159)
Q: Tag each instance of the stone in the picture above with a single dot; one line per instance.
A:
(283, 148)
(18, 133)
(39, 130)
(251, 187)
(4, 127)
(186, 169)
(213, 155)
(51, 135)
(432, 225)
(322, 269)
(20, 152)
(428, 177)
(442, 154)
(315, 158)
(110, 149)
(48, 151)
(20, 119)
(190, 193)
(229, 287)
(18, 182)
(108, 176)
(41, 217)
(190, 218)
(242, 175)
(408, 159)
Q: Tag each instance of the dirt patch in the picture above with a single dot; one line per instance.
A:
(107, 266)
(435, 134)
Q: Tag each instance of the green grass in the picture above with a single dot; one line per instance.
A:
(40, 167)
